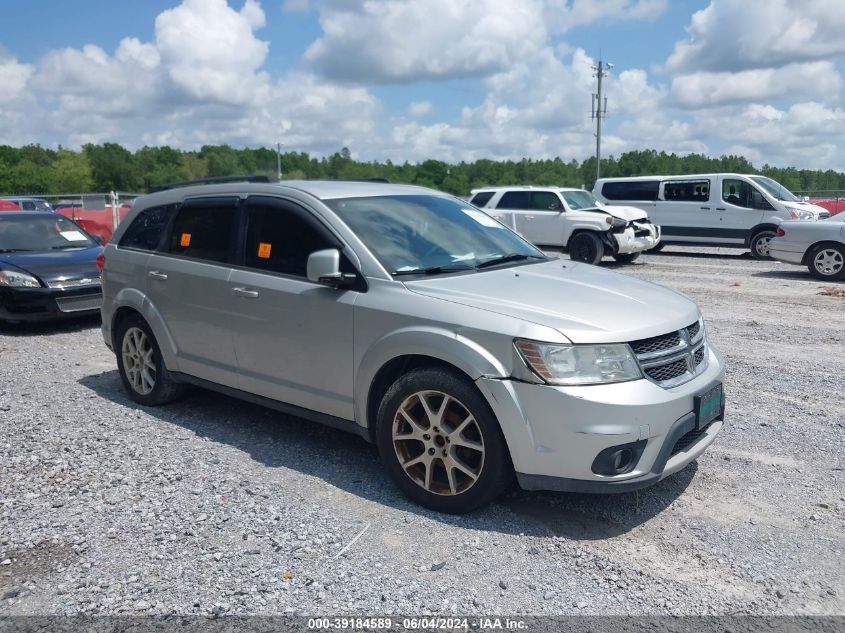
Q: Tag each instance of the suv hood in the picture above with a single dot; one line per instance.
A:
(587, 304)
(624, 213)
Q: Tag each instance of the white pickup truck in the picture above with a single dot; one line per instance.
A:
(571, 219)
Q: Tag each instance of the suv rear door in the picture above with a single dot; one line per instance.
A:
(187, 282)
(293, 337)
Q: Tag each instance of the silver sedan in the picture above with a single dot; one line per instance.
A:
(818, 245)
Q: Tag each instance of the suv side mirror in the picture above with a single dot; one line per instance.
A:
(323, 267)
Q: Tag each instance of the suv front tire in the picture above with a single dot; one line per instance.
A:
(441, 443)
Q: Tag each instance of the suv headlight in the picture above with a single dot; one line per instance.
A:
(801, 214)
(559, 364)
(16, 279)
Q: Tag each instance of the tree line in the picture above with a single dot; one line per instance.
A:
(38, 170)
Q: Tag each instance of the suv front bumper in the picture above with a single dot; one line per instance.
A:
(628, 241)
(555, 433)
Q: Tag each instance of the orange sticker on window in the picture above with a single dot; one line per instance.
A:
(185, 240)
(264, 250)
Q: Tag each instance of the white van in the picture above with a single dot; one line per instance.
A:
(571, 219)
(737, 210)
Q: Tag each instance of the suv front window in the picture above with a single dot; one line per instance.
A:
(580, 200)
(281, 236)
(429, 233)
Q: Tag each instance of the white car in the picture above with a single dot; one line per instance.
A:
(818, 245)
(571, 219)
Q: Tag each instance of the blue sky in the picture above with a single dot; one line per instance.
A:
(416, 79)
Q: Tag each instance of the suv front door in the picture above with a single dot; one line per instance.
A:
(188, 285)
(293, 337)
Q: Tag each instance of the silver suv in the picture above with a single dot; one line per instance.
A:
(422, 324)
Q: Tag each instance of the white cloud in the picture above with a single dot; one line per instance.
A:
(13, 78)
(564, 15)
(419, 108)
(210, 50)
(731, 35)
(812, 79)
(395, 41)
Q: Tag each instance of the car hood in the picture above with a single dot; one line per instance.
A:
(49, 266)
(587, 304)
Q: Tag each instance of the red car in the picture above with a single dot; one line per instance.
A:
(834, 205)
(8, 205)
(97, 222)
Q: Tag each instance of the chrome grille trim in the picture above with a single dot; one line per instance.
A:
(74, 283)
(674, 358)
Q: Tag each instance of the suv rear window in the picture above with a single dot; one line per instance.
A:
(147, 228)
(515, 200)
(631, 190)
(481, 198)
(206, 229)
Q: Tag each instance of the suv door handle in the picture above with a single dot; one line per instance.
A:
(705, 208)
(157, 275)
(243, 292)
(721, 209)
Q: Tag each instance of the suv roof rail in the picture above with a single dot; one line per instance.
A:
(209, 181)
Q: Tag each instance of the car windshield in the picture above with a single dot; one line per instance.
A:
(579, 199)
(775, 189)
(43, 233)
(430, 234)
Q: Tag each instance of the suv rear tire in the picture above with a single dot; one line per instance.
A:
(141, 366)
(759, 244)
(586, 247)
(441, 443)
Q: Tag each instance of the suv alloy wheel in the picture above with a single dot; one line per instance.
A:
(440, 441)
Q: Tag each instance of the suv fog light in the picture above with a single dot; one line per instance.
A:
(618, 460)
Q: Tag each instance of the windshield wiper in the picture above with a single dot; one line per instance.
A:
(511, 257)
(14, 250)
(61, 248)
(432, 270)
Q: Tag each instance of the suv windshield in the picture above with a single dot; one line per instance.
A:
(48, 232)
(775, 189)
(430, 234)
(579, 200)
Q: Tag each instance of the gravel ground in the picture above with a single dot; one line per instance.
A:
(213, 506)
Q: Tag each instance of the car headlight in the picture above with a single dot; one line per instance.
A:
(16, 279)
(801, 214)
(559, 364)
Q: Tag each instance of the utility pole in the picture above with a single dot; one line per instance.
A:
(599, 110)
(279, 159)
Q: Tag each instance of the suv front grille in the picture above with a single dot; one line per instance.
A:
(674, 358)
(656, 343)
(662, 373)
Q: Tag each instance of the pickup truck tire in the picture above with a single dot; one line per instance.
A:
(626, 258)
(657, 248)
(586, 247)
